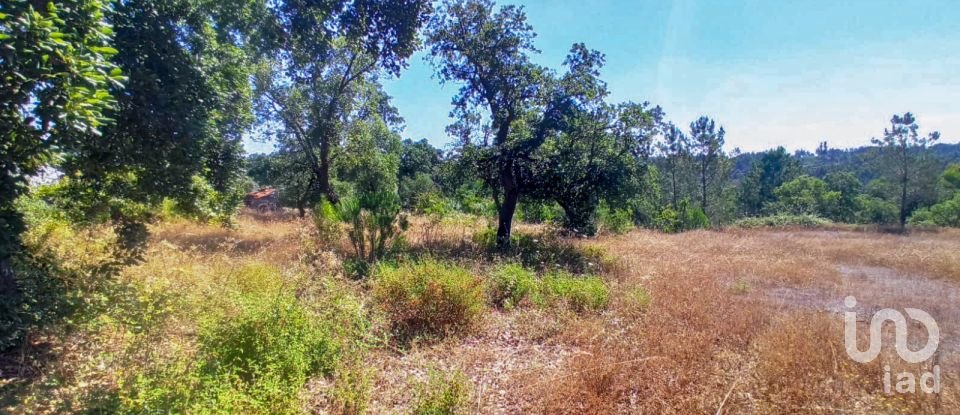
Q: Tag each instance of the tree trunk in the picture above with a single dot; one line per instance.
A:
(505, 218)
(703, 189)
(301, 210)
(323, 175)
(903, 206)
(511, 195)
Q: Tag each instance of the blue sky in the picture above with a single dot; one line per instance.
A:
(789, 73)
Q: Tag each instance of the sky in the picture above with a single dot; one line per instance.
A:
(774, 73)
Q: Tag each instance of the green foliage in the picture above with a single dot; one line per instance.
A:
(771, 171)
(55, 75)
(320, 75)
(804, 195)
(579, 293)
(686, 218)
(848, 187)
(64, 275)
(875, 210)
(709, 160)
(782, 221)
(254, 359)
(511, 284)
(353, 383)
(538, 211)
(428, 298)
(206, 204)
(376, 225)
(442, 394)
(903, 151)
(950, 179)
(946, 213)
(414, 190)
(617, 221)
(741, 287)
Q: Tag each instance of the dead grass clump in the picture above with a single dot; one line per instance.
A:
(802, 367)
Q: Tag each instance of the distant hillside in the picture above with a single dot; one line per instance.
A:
(861, 160)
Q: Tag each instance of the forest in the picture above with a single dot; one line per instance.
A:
(564, 253)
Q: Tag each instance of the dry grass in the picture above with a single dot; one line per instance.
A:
(737, 321)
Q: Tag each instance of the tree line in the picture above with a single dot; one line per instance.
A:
(142, 104)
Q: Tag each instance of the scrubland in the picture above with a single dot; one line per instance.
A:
(264, 319)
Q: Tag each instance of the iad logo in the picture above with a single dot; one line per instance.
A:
(906, 381)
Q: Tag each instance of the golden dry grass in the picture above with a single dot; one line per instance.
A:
(738, 321)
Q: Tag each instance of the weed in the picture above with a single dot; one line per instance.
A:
(428, 297)
(580, 293)
(511, 284)
(442, 394)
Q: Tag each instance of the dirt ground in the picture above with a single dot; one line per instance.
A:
(739, 322)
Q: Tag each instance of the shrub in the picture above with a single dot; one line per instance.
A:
(617, 221)
(942, 214)
(781, 221)
(510, 284)
(351, 389)
(442, 394)
(376, 225)
(538, 212)
(254, 361)
(684, 218)
(875, 210)
(428, 297)
(579, 293)
(327, 223)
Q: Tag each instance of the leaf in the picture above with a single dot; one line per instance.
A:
(105, 50)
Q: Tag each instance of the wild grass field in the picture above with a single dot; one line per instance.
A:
(264, 319)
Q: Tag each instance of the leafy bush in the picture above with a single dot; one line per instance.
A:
(327, 223)
(376, 225)
(538, 212)
(946, 213)
(253, 361)
(872, 209)
(804, 195)
(511, 284)
(351, 388)
(64, 274)
(782, 221)
(580, 293)
(617, 221)
(434, 205)
(442, 394)
(428, 297)
(685, 218)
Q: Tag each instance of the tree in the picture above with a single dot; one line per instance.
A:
(325, 59)
(419, 162)
(591, 150)
(182, 112)
(904, 149)
(675, 150)
(804, 195)
(950, 179)
(848, 187)
(707, 149)
(289, 173)
(488, 51)
(55, 76)
(773, 169)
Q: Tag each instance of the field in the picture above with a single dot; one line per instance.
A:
(732, 321)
